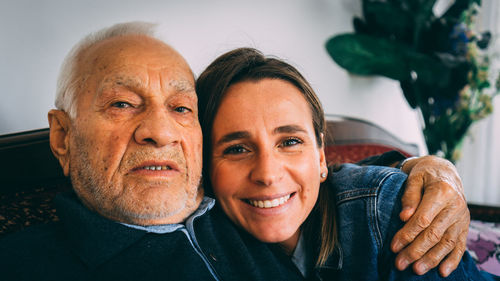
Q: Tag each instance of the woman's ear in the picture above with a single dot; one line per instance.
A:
(60, 124)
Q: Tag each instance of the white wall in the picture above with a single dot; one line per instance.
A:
(480, 162)
(35, 36)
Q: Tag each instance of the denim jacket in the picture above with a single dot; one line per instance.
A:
(368, 201)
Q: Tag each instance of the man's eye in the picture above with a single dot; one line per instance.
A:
(121, 104)
(182, 109)
(291, 142)
(236, 149)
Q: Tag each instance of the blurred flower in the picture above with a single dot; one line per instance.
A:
(459, 39)
(448, 118)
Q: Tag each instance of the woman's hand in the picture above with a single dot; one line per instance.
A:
(436, 215)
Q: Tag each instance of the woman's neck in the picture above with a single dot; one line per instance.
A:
(289, 244)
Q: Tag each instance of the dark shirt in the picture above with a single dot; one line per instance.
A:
(87, 246)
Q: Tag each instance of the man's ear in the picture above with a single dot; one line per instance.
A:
(322, 158)
(60, 125)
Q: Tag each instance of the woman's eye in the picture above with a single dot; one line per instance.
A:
(291, 142)
(182, 109)
(237, 149)
(121, 104)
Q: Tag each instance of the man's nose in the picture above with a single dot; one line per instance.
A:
(158, 127)
(268, 169)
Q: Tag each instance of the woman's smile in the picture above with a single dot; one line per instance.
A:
(269, 203)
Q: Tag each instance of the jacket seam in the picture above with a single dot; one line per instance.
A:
(379, 238)
(369, 192)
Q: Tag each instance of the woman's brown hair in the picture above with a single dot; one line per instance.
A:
(247, 64)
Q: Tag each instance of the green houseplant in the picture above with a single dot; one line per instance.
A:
(439, 61)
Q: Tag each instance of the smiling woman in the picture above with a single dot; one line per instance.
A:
(265, 160)
(263, 130)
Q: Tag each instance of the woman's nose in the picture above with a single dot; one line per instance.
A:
(268, 169)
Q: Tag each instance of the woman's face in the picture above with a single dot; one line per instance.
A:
(266, 163)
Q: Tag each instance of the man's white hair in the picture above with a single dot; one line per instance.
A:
(68, 81)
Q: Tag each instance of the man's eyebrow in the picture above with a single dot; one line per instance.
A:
(233, 136)
(133, 82)
(126, 79)
(130, 82)
(182, 85)
(289, 129)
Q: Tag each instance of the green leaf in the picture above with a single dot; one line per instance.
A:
(400, 25)
(429, 70)
(367, 55)
(423, 17)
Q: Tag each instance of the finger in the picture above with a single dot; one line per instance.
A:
(440, 251)
(440, 231)
(411, 196)
(451, 262)
(427, 239)
(430, 206)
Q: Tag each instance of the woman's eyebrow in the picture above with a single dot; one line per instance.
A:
(289, 129)
(233, 136)
(244, 134)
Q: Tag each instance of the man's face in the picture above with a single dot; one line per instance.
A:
(136, 144)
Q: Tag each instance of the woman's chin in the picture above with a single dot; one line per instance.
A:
(287, 239)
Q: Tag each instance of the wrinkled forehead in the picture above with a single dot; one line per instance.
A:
(137, 76)
(131, 49)
(131, 60)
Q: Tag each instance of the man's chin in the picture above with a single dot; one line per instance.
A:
(162, 208)
(151, 216)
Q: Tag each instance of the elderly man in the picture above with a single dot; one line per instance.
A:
(126, 132)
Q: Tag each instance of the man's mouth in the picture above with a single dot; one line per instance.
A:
(269, 203)
(161, 166)
(156, 168)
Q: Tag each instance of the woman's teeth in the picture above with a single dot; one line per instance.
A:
(269, 203)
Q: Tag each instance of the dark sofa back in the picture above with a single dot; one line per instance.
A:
(27, 161)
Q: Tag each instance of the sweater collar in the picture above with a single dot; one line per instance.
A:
(93, 238)
(204, 206)
(96, 239)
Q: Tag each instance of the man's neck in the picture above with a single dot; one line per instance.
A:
(204, 207)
